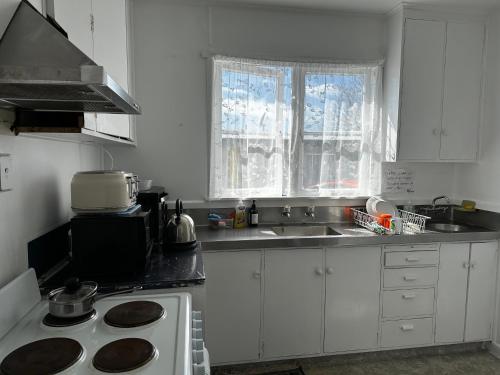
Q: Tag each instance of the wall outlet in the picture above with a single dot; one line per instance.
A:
(5, 172)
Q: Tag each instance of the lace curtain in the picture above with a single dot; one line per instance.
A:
(294, 129)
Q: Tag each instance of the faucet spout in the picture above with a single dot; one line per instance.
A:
(439, 198)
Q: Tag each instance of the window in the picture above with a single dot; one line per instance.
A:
(294, 129)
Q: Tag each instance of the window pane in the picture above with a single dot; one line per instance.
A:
(255, 117)
(333, 105)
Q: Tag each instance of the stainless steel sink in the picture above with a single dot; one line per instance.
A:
(450, 228)
(305, 231)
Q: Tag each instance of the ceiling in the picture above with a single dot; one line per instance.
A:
(369, 6)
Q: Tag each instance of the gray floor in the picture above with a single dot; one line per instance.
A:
(466, 363)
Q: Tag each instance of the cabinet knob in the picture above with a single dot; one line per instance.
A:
(412, 259)
(466, 265)
(435, 132)
(329, 270)
(318, 271)
(473, 264)
(409, 296)
(444, 132)
(409, 278)
(256, 275)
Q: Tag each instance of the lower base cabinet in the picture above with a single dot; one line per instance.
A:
(352, 298)
(232, 315)
(466, 292)
(271, 304)
(293, 302)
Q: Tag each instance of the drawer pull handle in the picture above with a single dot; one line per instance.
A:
(412, 259)
(409, 278)
(407, 327)
(409, 296)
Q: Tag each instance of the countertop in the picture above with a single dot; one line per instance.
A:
(165, 270)
(351, 235)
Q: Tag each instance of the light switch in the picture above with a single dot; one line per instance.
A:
(5, 172)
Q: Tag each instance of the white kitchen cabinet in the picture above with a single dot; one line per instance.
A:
(466, 292)
(111, 51)
(462, 91)
(481, 291)
(422, 90)
(233, 305)
(452, 292)
(100, 30)
(434, 99)
(352, 298)
(75, 17)
(293, 302)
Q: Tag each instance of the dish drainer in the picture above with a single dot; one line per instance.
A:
(411, 223)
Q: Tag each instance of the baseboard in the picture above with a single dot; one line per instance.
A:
(494, 349)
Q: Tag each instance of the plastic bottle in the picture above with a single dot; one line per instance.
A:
(240, 215)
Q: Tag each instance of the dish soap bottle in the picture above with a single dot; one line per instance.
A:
(240, 215)
(253, 217)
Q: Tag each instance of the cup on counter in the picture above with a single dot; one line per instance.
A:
(396, 225)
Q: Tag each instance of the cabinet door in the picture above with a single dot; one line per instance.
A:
(111, 51)
(293, 302)
(74, 16)
(462, 90)
(422, 90)
(452, 292)
(481, 293)
(352, 298)
(232, 316)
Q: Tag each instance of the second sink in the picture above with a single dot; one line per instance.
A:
(452, 228)
(305, 231)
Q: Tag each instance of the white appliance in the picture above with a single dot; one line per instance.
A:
(175, 337)
(103, 191)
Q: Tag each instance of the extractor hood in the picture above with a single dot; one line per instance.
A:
(40, 69)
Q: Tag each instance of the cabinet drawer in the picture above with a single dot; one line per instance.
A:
(407, 332)
(402, 277)
(411, 302)
(411, 258)
(413, 247)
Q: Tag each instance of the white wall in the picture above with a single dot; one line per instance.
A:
(481, 181)
(40, 199)
(171, 78)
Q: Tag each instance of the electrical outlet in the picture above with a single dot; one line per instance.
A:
(5, 172)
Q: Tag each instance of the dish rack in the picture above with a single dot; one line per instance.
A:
(411, 223)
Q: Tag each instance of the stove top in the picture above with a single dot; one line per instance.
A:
(130, 334)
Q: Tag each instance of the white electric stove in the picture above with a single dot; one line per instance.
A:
(168, 342)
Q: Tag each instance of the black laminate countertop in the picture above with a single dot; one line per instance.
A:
(165, 270)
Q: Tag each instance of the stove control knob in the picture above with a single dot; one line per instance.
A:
(197, 334)
(198, 356)
(197, 344)
(197, 324)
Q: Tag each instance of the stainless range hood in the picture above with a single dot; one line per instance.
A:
(41, 70)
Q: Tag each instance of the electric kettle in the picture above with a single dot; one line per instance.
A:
(179, 233)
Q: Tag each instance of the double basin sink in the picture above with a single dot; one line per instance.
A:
(325, 230)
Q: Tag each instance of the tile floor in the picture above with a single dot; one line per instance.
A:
(476, 362)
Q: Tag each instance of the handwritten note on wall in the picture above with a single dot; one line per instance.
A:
(397, 179)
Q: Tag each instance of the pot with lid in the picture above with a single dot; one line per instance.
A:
(77, 298)
(179, 232)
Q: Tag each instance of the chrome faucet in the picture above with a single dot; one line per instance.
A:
(310, 212)
(287, 211)
(438, 198)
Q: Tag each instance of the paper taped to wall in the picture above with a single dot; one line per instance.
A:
(397, 179)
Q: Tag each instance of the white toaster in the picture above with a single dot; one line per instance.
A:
(103, 191)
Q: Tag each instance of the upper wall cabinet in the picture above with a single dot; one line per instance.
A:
(433, 106)
(100, 30)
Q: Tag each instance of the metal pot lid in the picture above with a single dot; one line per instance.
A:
(73, 291)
